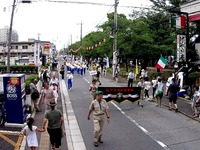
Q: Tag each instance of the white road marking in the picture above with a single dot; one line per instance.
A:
(142, 128)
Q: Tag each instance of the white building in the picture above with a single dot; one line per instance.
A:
(23, 52)
(4, 33)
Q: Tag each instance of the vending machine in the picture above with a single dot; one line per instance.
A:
(15, 96)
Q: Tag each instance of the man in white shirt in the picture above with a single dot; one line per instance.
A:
(131, 77)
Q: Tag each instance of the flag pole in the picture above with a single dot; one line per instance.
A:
(136, 69)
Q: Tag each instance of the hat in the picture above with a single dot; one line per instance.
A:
(142, 70)
(68, 71)
(52, 102)
(99, 92)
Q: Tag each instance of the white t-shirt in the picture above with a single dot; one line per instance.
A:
(147, 85)
(154, 83)
(31, 136)
(131, 75)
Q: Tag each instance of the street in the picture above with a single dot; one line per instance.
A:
(133, 127)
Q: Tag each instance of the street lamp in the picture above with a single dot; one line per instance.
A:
(10, 32)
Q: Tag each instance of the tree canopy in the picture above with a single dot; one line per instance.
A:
(145, 35)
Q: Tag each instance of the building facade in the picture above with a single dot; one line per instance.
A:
(24, 52)
(4, 33)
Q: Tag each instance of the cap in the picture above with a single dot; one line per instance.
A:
(99, 92)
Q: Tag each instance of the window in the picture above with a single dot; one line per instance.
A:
(25, 47)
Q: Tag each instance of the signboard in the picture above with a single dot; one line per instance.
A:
(120, 94)
(37, 53)
(181, 48)
(93, 72)
(46, 49)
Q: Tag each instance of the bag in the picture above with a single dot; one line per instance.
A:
(35, 95)
(62, 132)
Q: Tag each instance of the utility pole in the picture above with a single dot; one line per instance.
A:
(81, 24)
(71, 39)
(115, 51)
(10, 36)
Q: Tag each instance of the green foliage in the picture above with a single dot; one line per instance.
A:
(28, 81)
(20, 69)
(144, 37)
(194, 75)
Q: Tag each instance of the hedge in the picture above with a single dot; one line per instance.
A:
(20, 69)
(28, 81)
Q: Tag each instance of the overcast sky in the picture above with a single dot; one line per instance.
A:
(56, 22)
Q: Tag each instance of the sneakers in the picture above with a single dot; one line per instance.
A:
(96, 144)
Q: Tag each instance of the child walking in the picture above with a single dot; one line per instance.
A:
(30, 132)
(69, 80)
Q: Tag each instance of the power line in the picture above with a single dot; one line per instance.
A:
(88, 3)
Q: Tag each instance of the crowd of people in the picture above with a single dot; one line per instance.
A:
(98, 105)
(53, 118)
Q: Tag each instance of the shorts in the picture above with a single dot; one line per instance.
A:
(173, 99)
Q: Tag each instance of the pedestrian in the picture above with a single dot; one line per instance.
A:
(116, 73)
(69, 80)
(104, 71)
(131, 77)
(30, 132)
(53, 86)
(62, 71)
(169, 81)
(54, 79)
(34, 95)
(159, 92)
(154, 86)
(99, 107)
(45, 76)
(55, 121)
(147, 86)
(47, 95)
(93, 88)
(98, 76)
(172, 94)
(195, 102)
(142, 85)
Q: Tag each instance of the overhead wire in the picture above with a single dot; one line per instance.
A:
(101, 19)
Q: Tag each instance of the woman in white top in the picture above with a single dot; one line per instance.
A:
(30, 132)
(147, 86)
(159, 92)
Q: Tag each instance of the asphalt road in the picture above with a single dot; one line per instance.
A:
(120, 134)
(133, 127)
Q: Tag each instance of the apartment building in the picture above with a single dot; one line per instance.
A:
(4, 33)
(25, 52)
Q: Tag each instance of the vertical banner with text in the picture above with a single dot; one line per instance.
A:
(181, 48)
(37, 53)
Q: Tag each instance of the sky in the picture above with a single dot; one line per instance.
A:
(58, 22)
